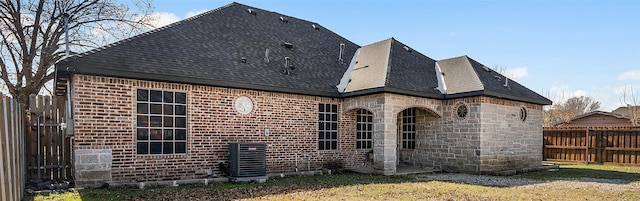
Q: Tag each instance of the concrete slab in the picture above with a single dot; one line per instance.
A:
(400, 170)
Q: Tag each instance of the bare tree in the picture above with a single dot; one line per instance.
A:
(579, 105)
(633, 107)
(32, 34)
(564, 111)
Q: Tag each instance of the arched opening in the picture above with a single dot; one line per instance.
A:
(414, 125)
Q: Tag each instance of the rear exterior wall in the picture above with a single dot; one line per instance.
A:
(509, 141)
(105, 116)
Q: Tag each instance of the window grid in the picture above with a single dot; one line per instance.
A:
(409, 128)
(364, 129)
(327, 126)
(161, 122)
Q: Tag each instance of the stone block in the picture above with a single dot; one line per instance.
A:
(105, 157)
(101, 175)
(88, 159)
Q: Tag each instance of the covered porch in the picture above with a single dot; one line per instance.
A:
(400, 128)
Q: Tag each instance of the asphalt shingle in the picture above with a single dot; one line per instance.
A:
(263, 50)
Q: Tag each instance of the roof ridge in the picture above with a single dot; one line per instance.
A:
(386, 76)
(467, 59)
(155, 30)
(453, 58)
(413, 49)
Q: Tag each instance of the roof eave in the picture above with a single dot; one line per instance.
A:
(204, 82)
(515, 98)
(391, 90)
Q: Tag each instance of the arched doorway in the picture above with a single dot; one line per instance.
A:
(413, 127)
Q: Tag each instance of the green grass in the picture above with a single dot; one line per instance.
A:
(376, 187)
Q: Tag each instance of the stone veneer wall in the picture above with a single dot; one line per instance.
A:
(386, 108)
(450, 143)
(507, 142)
(104, 111)
(491, 138)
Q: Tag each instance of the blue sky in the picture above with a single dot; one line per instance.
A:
(557, 48)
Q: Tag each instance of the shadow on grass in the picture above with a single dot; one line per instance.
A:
(590, 173)
(234, 191)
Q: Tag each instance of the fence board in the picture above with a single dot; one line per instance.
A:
(12, 157)
(50, 157)
(611, 145)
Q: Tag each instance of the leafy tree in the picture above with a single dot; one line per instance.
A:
(564, 111)
(33, 34)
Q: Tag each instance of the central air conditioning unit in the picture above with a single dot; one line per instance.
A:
(247, 161)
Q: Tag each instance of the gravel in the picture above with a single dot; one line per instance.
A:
(568, 183)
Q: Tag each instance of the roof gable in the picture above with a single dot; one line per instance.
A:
(370, 71)
(459, 75)
(597, 118)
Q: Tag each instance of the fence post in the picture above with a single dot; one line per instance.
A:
(586, 156)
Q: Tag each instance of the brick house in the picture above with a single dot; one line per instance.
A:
(164, 105)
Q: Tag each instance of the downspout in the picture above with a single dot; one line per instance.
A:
(68, 131)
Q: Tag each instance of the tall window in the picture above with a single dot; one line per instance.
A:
(161, 122)
(327, 126)
(364, 129)
(409, 128)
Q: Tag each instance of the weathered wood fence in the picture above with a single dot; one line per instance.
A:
(604, 145)
(12, 144)
(48, 149)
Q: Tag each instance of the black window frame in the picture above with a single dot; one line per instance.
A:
(327, 126)
(364, 129)
(409, 128)
(161, 122)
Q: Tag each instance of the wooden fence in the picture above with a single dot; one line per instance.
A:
(604, 145)
(48, 149)
(12, 144)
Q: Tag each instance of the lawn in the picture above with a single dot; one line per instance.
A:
(611, 183)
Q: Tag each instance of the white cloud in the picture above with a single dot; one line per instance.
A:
(453, 33)
(630, 75)
(162, 19)
(516, 73)
(194, 13)
(579, 92)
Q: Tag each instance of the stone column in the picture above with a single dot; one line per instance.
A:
(385, 142)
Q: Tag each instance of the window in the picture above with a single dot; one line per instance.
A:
(409, 128)
(364, 129)
(327, 126)
(461, 111)
(523, 114)
(161, 122)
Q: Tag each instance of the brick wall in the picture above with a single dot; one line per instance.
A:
(491, 137)
(105, 119)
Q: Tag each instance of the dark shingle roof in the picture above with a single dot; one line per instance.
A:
(227, 47)
(208, 49)
(496, 87)
(411, 71)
